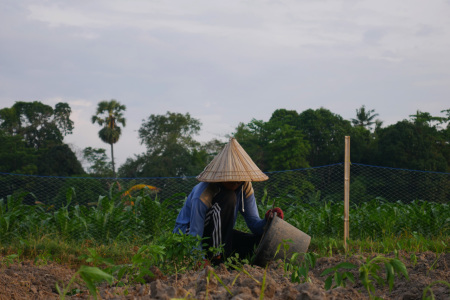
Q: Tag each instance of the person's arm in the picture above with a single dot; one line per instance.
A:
(198, 213)
(251, 215)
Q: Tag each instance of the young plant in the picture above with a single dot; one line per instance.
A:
(339, 278)
(91, 276)
(208, 278)
(235, 261)
(300, 271)
(286, 246)
(368, 272)
(9, 260)
(95, 258)
(430, 291)
(413, 258)
(263, 285)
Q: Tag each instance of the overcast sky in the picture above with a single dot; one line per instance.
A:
(224, 62)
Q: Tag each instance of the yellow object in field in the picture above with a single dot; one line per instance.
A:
(138, 187)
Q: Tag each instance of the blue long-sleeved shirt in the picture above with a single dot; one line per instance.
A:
(200, 200)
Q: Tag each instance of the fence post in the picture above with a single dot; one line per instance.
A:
(346, 191)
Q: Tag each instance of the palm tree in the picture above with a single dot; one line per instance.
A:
(365, 118)
(109, 114)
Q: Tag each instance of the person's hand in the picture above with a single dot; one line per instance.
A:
(270, 213)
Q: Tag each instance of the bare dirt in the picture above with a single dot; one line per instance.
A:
(26, 280)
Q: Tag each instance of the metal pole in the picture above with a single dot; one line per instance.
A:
(346, 191)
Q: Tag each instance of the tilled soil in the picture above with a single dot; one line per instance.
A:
(25, 280)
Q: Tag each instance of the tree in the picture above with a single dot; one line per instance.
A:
(365, 118)
(39, 124)
(59, 161)
(159, 132)
(97, 158)
(109, 115)
(171, 148)
(15, 156)
(275, 145)
(326, 133)
(413, 145)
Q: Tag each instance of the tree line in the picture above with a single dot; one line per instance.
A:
(32, 141)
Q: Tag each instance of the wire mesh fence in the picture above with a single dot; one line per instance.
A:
(383, 201)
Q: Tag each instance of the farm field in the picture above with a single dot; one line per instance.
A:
(28, 280)
(125, 250)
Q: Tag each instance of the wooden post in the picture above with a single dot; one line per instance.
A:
(346, 191)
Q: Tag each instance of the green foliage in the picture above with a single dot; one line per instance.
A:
(413, 145)
(91, 276)
(97, 158)
(326, 133)
(369, 273)
(428, 289)
(39, 124)
(298, 265)
(300, 270)
(364, 118)
(109, 115)
(181, 249)
(31, 140)
(171, 148)
(9, 260)
(274, 145)
(339, 277)
(59, 161)
(17, 219)
(15, 156)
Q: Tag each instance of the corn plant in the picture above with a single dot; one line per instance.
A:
(17, 218)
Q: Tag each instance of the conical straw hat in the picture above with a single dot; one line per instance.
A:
(232, 164)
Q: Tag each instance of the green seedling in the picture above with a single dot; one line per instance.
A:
(339, 278)
(433, 265)
(208, 278)
(263, 286)
(96, 259)
(286, 246)
(241, 269)
(430, 291)
(235, 261)
(42, 259)
(413, 258)
(368, 272)
(9, 260)
(300, 271)
(91, 276)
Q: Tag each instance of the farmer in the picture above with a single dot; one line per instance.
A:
(210, 210)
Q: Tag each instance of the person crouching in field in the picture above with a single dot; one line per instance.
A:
(211, 209)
